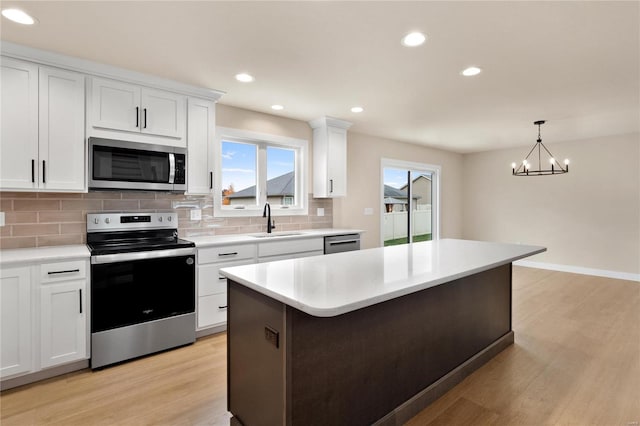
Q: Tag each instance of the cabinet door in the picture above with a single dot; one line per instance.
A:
(200, 128)
(15, 313)
(19, 129)
(63, 323)
(163, 113)
(115, 105)
(337, 162)
(61, 106)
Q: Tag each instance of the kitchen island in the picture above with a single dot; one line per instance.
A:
(364, 337)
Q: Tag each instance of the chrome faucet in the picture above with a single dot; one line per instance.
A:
(267, 213)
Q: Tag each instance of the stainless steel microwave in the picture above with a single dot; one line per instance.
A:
(123, 165)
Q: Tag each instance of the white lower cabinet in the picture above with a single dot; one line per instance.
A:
(63, 323)
(269, 251)
(44, 316)
(16, 314)
(212, 287)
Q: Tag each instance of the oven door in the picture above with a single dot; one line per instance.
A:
(132, 288)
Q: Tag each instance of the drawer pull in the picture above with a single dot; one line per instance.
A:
(335, 243)
(234, 253)
(222, 307)
(221, 277)
(63, 272)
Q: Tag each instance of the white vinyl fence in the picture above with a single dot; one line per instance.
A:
(395, 223)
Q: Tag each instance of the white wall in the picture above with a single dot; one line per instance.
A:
(364, 154)
(589, 217)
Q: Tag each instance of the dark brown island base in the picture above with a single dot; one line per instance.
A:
(356, 358)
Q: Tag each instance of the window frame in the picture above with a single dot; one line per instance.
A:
(262, 141)
(435, 171)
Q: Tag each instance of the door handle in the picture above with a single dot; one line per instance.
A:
(44, 172)
(145, 118)
(137, 116)
(80, 300)
(210, 180)
(330, 185)
(33, 171)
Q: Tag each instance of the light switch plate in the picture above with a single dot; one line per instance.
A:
(320, 211)
(196, 214)
(1, 219)
(368, 211)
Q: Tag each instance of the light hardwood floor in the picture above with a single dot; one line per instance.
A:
(575, 361)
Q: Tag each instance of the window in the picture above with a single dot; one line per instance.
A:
(256, 168)
(410, 202)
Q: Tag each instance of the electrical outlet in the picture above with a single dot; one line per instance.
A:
(1, 219)
(368, 211)
(196, 214)
(272, 336)
(320, 211)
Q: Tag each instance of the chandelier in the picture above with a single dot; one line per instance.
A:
(527, 168)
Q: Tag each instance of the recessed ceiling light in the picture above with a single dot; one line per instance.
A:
(17, 15)
(277, 107)
(471, 71)
(357, 109)
(413, 39)
(244, 77)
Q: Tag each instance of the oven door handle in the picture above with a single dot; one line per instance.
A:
(141, 255)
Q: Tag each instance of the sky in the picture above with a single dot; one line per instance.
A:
(239, 164)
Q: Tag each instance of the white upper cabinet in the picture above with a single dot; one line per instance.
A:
(329, 157)
(42, 141)
(19, 129)
(115, 105)
(147, 115)
(201, 116)
(61, 124)
(163, 113)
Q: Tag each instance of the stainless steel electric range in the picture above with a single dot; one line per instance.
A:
(142, 285)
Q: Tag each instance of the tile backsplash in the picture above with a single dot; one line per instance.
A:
(37, 219)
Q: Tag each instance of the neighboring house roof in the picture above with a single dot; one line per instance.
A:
(398, 194)
(282, 185)
(417, 179)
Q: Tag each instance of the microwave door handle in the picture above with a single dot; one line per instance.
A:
(172, 167)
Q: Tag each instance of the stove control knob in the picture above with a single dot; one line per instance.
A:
(96, 221)
(107, 220)
(169, 218)
(159, 218)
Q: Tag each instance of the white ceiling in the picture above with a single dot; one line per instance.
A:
(575, 64)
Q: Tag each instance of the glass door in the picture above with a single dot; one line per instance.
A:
(409, 202)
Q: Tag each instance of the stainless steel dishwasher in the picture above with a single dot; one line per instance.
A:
(340, 243)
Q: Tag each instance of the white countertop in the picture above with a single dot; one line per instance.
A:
(43, 254)
(335, 284)
(218, 240)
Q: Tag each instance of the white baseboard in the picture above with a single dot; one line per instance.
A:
(579, 270)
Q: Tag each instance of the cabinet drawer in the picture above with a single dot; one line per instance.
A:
(288, 256)
(226, 253)
(209, 279)
(275, 248)
(212, 310)
(63, 271)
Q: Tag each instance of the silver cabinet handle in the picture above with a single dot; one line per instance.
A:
(234, 253)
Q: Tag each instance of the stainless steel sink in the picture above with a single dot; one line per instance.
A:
(275, 234)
